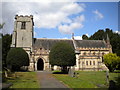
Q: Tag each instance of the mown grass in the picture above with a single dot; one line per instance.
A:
(24, 80)
(86, 79)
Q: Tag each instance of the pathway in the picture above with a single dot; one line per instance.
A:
(48, 81)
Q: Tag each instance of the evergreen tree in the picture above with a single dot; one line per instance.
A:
(16, 58)
(84, 37)
(62, 54)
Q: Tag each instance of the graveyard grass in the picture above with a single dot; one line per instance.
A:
(24, 80)
(86, 79)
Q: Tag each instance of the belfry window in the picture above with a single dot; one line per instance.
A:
(23, 25)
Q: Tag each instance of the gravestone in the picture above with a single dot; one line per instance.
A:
(107, 76)
(71, 72)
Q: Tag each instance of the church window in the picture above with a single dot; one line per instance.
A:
(82, 62)
(93, 53)
(23, 25)
(86, 62)
(90, 63)
(79, 62)
(93, 62)
(103, 53)
(40, 48)
(84, 53)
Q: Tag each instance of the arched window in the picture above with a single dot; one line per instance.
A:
(23, 25)
(90, 63)
(93, 53)
(84, 53)
(93, 62)
(86, 62)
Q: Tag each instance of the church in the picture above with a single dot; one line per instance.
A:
(89, 53)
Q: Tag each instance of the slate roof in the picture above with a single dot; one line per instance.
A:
(91, 43)
(48, 43)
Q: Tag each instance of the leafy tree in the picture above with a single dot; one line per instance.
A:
(84, 37)
(6, 42)
(118, 63)
(16, 58)
(99, 35)
(110, 61)
(63, 55)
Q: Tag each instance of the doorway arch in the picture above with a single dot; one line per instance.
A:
(40, 64)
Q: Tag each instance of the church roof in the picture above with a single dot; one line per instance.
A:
(90, 43)
(48, 43)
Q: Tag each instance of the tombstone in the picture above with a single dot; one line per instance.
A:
(71, 72)
(107, 76)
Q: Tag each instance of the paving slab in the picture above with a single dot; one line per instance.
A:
(46, 80)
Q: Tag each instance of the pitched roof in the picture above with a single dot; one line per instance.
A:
(90, 43)
(48, 43)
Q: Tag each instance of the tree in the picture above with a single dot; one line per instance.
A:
(84, 37)
(99, 35)
(118, 63)
(62, 54)
(16, 58)
(110, 61)
(6, 42)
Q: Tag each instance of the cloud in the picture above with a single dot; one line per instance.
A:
(46, 14)
(70, 27)
(98, 15)
(78, 37)
(87, 34)
(117, 32)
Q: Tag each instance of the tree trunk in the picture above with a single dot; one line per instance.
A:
(64, 69)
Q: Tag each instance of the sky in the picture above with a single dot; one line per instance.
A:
(60, 19)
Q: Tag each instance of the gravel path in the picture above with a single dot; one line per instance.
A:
(46, 80)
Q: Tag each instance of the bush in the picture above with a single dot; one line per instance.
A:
(111, 61)
(16, 58)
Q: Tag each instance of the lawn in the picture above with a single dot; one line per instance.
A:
(24, 80)
(86, 79)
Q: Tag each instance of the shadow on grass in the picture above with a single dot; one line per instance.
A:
(115, 84)
(60, 72)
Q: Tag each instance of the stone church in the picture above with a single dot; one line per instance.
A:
(89, 53)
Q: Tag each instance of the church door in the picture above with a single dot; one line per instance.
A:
(40, 64)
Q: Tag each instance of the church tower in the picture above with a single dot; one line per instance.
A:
(23, 35)
(23, 32)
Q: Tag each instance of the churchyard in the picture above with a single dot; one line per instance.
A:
(84, 79)
(23, 80)
(87, 79)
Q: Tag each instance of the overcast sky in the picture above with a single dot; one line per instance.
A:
(60, 19)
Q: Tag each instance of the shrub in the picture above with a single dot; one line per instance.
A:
(16, 58)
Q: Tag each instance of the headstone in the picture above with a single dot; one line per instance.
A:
(107, 76)
(71, 72)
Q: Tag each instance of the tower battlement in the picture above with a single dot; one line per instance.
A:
(22, 16)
